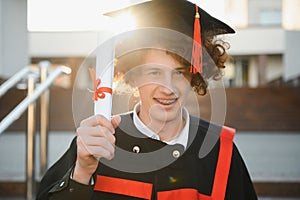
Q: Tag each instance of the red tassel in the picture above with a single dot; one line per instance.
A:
(197, 46)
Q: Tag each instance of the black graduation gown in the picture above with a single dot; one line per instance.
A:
(144, 168)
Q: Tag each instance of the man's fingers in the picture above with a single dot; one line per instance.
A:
(90, 121)
(98, 147)
(95, 137)
(115, 120)
(101, 152)
(98, 140)
(96, 132)
(97, 120)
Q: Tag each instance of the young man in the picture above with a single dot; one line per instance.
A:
(153, 151)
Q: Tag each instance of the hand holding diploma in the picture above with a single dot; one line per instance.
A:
(95, 135)
(95, 139)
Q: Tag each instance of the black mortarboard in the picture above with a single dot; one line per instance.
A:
(178, 15)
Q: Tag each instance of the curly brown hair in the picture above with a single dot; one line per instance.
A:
(214, 58)
(216, 50)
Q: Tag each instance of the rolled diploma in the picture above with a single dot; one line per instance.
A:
(105, 72)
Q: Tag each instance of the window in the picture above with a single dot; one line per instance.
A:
(270, 17)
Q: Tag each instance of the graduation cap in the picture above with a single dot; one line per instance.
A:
(178, 15)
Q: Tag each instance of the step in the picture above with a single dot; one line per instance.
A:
(272, 159)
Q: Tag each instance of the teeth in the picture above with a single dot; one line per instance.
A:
(166, 101)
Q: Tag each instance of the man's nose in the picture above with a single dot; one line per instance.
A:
(167, 86)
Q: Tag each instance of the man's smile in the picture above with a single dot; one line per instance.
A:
(166, 101)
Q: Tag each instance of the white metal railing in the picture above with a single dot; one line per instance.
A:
(13, 80)
(28, 103)
(21, 107)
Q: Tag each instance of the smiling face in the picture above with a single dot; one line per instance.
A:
(163, 84)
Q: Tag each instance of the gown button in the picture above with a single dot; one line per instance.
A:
(136, 149)
(176, 154)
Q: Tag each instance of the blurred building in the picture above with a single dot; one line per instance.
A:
(265, 46)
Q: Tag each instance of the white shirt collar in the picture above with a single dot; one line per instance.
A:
(182, 138)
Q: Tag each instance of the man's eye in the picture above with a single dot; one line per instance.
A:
(153, 73)
(178, 72)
